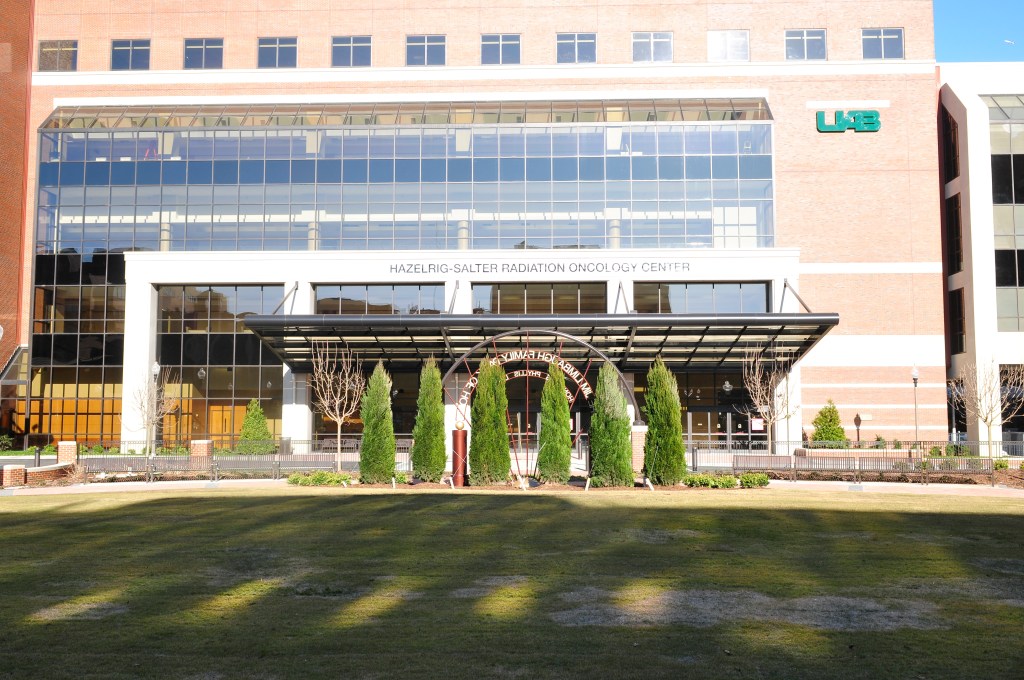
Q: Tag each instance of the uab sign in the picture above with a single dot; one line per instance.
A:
(858, 121)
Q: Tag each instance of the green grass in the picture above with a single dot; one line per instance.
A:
(309, 583)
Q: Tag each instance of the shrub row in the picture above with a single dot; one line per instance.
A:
(319, 478)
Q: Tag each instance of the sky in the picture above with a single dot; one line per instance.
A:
(979, 30)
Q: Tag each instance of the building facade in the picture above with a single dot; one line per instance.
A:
(982, 126)
(212, 190)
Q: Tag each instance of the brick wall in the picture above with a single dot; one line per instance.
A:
(19, 475)
(15, 48)
(12, 475)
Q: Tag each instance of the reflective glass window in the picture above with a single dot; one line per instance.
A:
(499, 48)
(350, 50)
(204, 53)
(129, 55)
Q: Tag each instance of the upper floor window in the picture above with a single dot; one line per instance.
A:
(577, 48)
(129, 55)
(950, 146)
(499, 48)
(882, 43)
(805, 44)
(58, 55)
(204, 53)
(278, 52)
(425, 50)
(350, 50)
(728, 45)
(649, 46)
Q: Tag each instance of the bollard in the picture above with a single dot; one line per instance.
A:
(39, 452)
(459, 456)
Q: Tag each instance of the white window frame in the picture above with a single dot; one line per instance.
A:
(728, 45)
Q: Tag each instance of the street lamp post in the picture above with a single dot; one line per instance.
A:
(915, 375)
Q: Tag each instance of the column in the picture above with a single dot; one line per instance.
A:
(140, 318)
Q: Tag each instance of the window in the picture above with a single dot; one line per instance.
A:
(577, 48)
(882, 43)
(749, 297)
(350, 50)
(1007, 178)
(954, 247)
(540, 298)
(380, 299)
(728, 46)
(424, 50)
(499, 48)
(652, 47)
(129, 55)
(950, 147)
(58, 55)
(957, 333)
(204, 53)
(278, 52)
(805, 44)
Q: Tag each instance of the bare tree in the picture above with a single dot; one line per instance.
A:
(989, 393)
(767, 384)
(337, 382)
(154, 402)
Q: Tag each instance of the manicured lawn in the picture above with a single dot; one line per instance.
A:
(300, 583)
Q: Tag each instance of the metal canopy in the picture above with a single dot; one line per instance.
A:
(686, 342)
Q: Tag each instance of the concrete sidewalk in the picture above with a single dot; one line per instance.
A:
(776, 484)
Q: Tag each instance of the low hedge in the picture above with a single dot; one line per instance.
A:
(753, 480)
(320, 478)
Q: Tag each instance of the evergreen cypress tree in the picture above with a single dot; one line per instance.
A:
(377, 457)
(828, 428)
(555, 441)
(664, 453)
(489, 458)
(611, 448)
(428, 452)
(255, 436)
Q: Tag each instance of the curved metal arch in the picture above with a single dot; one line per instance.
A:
(560, 334)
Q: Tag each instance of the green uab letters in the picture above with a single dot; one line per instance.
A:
(858, 121)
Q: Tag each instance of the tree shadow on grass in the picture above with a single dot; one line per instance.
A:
(466, 585)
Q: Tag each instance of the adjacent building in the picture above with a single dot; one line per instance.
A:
(214, 189)
(982, 126)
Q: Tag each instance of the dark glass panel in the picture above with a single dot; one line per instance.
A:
(45, 266)
(113, 349)
(670, 167)
(485, 169)
(538, 169)
(72, 174)
(407, 170)
(225, 172)
(303, 172)
(200, 172)
(42, 349)
(194, 349)
(148, 173)
(222, 349)
(122, 173)
(65, 349)
(565, 169)
(755, 167)
(1006, 268)
(1002, 179)
(460, 170)
(328, 172)
(724, 167)
(354, 171)
(512, 169)
(434, 170)
(250, 172)
(49, 174)
(278, 172)
(174, 172)
(644, 167)
(591, 168)
(698, 167)
(1018, 178)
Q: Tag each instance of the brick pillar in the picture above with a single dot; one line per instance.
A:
(13, 475)
(638, 436)
(201, 447)
(67, 452)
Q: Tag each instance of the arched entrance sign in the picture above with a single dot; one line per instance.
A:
(526, 354)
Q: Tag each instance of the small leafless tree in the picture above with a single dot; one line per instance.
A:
(337, 383)
(154, 401)
(989, 393)
(767, 385)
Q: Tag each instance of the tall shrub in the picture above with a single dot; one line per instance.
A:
(664, 453)
(489, 457)
(828, 428)
(377, 457)
(611, 448)
(255, 436)
(428, 452)
(555, 441)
